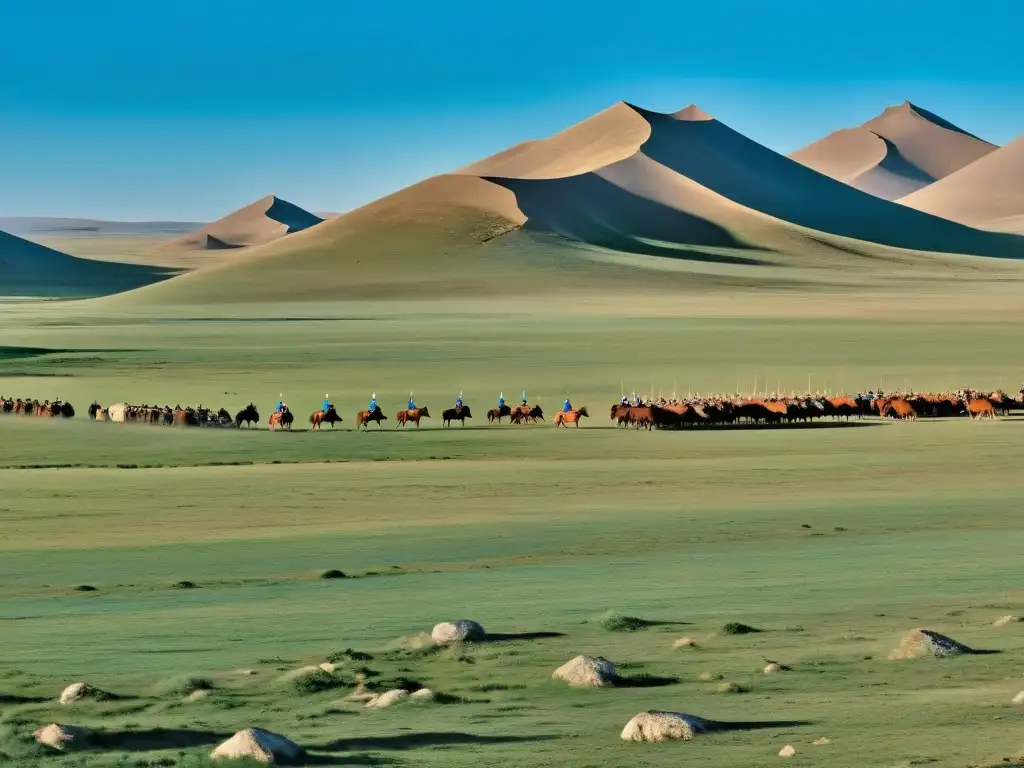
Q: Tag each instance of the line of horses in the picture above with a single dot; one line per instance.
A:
(906, 406)
(165, 415)
(32, 407)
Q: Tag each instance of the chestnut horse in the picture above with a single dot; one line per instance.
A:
(363, 418)
(898, 408)
(572, 417)
(404, 417)
(317, 418)
(283, 419)
(497, 414)
(981, 408)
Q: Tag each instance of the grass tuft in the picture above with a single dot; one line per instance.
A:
(333, 573)
(616, 622)
(738, 628)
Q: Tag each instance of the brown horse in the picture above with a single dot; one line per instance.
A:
(404, 417)
(981, 408)
(897, 408)
(281, 419)
(620, 414)
(330, 416)
(571, 417)
(363, 418)
(497, 414)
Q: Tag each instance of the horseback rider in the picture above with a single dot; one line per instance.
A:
(524, 396)
(566, 406)
(458, 403)
(373, 403)
(277, 408)
(412, 403)
(327, 403)
(501, 400)
(624, 400)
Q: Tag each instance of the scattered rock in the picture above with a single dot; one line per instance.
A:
(1018, 699)
(199, 695)
(461, 631)
(260, 746)
(587, 671)
(822, 741)
(62, 737)
(81, 691)
(787, 751)
(663, 726)
(685, 642)
(423, 694)
(387, 699)
(772, 668)
(329, 667)
(731, 688)
(709, 677)
(1004, 620)
(924, 642)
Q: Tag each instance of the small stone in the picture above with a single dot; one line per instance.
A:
(787, 751)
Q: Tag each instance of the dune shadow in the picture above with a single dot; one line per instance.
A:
(158, 738)
(501, 637)
(754, 725)
(425, 739)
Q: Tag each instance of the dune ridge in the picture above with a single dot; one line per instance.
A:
(260, 222)
(987, 194)
(903, 149)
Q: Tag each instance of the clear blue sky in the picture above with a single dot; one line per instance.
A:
(189, 109)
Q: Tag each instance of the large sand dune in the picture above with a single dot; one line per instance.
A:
(31, 269)
(904, 149)
(988, 194)
(260, 222)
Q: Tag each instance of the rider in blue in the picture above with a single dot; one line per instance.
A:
(524, 397)
(280, 403)
(566, 406)
(501, 400)
(458, 402)
(412, 403)
(327, 403)
(373, 403)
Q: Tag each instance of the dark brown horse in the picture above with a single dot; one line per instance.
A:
(404, 417)
(330, 416)
(497, 414)
(248, 416)
(456, 414)
(363, 418)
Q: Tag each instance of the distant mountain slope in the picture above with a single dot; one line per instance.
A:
(260, 222)
(904, 149)
(30, 269)
(987, 194)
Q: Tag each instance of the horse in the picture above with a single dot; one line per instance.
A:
(186, 418)
(319, 417)
(66, 410)
(452, 414)
(248, 416)
(571, 417)
(283, 418)
(363, 418)
(897, 408)
(224, 418)
(497, 414)
(981, 408)
(404, 417)
(620, 414)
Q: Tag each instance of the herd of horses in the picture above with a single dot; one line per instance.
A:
(652, 414)
(32, 407)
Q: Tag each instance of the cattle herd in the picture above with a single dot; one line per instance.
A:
(660, 413)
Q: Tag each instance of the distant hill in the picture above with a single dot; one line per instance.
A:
(48, 225)
(987, 194)
(260, 222)
(30, 269)
(904, 149)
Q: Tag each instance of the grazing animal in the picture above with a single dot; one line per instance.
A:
(404, 417)
(283, 419)
(363, 418)
(330, 416)
(248, 416)
(457, 414)
(571, 417)
(497, 414)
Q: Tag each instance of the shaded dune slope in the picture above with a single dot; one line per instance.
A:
(267, 219)
(988, 194)
(30, 269)
(904, 149)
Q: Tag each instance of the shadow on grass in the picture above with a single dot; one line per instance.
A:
(354, 760)
(13, 698)
(158, 738)
(645, 681)
(754, 725)
(418, 740)
(501, 637)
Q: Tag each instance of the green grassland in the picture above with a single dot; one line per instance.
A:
(834, 540)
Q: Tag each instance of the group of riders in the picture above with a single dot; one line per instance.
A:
(374, 407)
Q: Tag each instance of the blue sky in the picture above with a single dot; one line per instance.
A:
(187, 110)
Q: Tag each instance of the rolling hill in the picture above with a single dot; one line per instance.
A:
(987, 194)
(28, 269)
(904, 149)
(260, 222)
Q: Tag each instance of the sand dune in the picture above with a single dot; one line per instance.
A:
(261, 222)
(50, 225)
(30, 269)
(609, 136)
(988, 194)
(904, 149)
